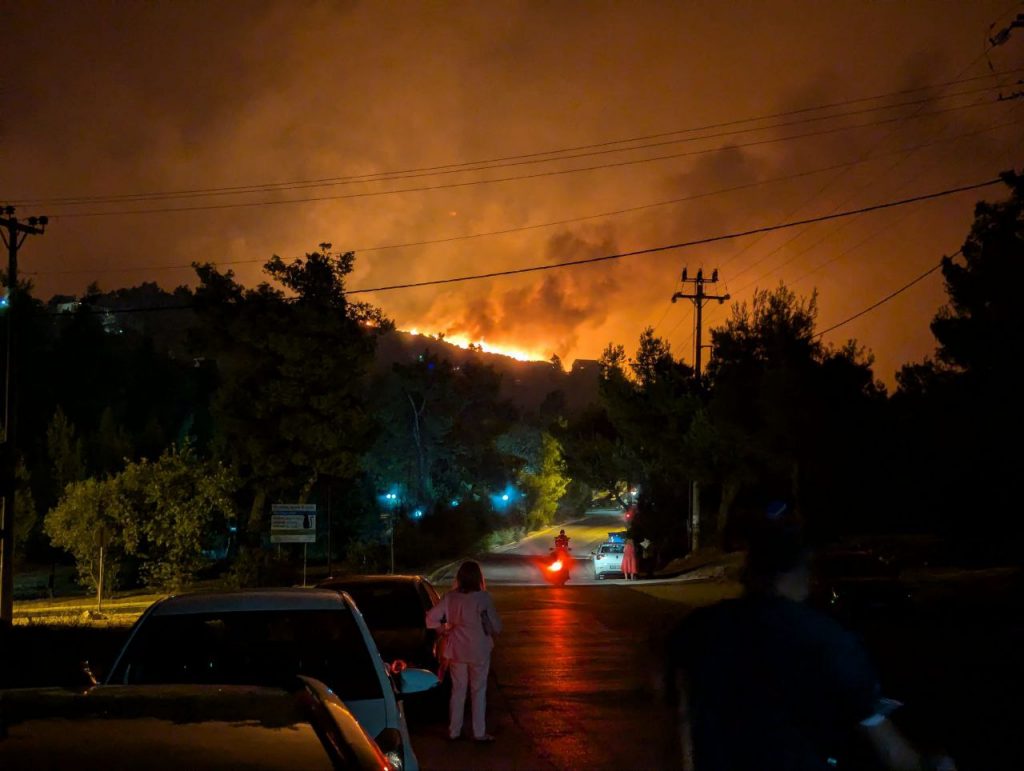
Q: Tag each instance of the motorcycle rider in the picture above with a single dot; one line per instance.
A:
(561, 541)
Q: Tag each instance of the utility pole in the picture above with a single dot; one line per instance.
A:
(14, 234)
(698, 297)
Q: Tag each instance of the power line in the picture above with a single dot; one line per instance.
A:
(984, 55)
(515, 177)
(813, 245)
(778, 248)
(885, 299)
(537, 157)
(865, 159)
(634, 253)
(556, 223)
(682, 244)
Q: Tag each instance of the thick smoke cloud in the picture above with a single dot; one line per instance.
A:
(552, 306)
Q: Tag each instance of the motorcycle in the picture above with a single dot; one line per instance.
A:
(556, 571)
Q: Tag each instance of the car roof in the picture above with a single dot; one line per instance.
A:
(249, 600)
(170, 726)
(181, 702)
(370, 579)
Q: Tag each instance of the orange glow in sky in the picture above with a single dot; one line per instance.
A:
(494, 138)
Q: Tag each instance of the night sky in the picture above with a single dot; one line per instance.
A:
(113, 99)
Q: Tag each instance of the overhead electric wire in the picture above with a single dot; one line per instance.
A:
(825, 237)
(554, 223)
(885, 299)
(471, 183)
(873, 234)
(558, 154)
(959, 75)
(510, 161)
(856, 162)
(634, 253)
(682, 244)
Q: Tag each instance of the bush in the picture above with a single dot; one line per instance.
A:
(157, 513)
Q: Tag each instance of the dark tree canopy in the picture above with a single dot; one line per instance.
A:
(289, 404)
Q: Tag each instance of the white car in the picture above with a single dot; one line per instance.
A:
(608, 559)
(269, 637)
(171, 727)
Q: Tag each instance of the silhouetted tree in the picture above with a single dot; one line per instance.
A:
(956, 415)
(788, 417)
(289, 407)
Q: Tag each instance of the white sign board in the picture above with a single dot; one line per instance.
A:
(293, 523)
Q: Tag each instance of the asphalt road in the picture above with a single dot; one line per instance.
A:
(522, 563)
(576, 674)
(575, 684)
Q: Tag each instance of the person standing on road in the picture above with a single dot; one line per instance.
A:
(629, 565)
(467, 618)
(766, 683)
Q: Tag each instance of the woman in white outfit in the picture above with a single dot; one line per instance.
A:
(469, 621)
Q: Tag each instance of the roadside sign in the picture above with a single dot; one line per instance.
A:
(293, 523)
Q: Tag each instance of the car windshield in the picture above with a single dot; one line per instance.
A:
(253, 648)
(612, 548)
(388, 604)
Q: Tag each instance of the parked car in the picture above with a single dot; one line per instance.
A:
(858, 584)
(183, 726)
(607, 559)
(395, 609)
(270, 637)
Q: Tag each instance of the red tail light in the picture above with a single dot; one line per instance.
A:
(555, 566)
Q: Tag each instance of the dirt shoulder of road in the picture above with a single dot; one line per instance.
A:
(693, 592)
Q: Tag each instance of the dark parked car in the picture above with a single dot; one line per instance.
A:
(183, 726)
(395, 608)
(857, 585)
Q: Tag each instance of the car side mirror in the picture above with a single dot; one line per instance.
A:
(416, 681)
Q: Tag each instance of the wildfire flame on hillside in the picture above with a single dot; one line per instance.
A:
(519, 354)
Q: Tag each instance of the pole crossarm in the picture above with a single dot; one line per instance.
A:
(699, 298)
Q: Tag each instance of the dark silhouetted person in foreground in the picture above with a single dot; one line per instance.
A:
(467, 618)
(767, 683)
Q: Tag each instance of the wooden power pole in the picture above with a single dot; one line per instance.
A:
(14, 234)
(698, 296)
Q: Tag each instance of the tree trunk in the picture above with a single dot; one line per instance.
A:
(695, 534)
(421, 460)
(256, 512)
(730, 489)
